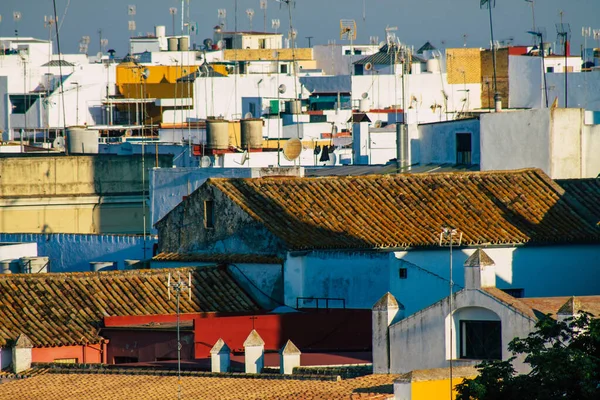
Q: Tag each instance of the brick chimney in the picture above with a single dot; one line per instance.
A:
(480, 271)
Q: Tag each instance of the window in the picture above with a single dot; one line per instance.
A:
(283, 68)
(403, 273)
(262, 43)
(359, 69)
(209, 214)
(463, 148)
(480, 340)
(228, 43)
(549, 69)
(517, 293)
(252, 108)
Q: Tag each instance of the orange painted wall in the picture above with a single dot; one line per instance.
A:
(87, 354)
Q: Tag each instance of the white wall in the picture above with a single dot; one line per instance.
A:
(565, 141)
(513, 140)
(525, 84)
(591, 149)
(437, 141)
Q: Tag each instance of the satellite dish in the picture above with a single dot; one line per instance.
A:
(378, 123)
(220, 44)
(145, 73)
(282, 88)
(382, 43)
(292, 149)
(248, 115)
(364, 95)
(245, 157)
(368, 66)
(59, 143)
(208, 43)
(99, 55)
(205, 162)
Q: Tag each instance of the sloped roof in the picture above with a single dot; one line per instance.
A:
(68, 308)
(218, 258)
(58, 63)
(584, 191)
(409, 210)
(426, 47)
(64, 385)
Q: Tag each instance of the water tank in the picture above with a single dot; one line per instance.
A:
(130, 264)
(99, 266)
(293, 107)
(172, 43)
(8, 267)
(433, 65)
(251, 133)
(34, 265)
(160, 31)
(217, 134)
(184, 43)
(81, 140)
(364, 105)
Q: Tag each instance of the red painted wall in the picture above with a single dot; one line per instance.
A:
(147, 346)
(83, 354)
(317, 330)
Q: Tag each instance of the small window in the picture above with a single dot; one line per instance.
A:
(480, 340)
(262, 43)
(516, 293)
(463, 148)
(549, 69)
(283, 68)
(65, 360)
(209, 214)
(252, 107)
(403, 272)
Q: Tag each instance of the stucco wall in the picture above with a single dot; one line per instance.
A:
(72, 252)
(516, 267)
(84, 354)
(234, 231)
(516, 140)
(421, 341)
(11, 251)
(437, 141)
(359, 278)
(590, 151)
(565, 143)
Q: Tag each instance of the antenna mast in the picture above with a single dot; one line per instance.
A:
(564, 32)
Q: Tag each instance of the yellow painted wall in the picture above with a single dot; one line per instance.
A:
(267, 54)
(438, 389)
(128, 74)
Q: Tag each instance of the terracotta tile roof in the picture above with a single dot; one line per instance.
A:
(218, 258)
(409, 210)
(437, 374)
(52, 386)
(584, 191)
(536, 307)
(67, 308)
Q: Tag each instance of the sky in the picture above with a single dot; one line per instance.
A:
(442, 22)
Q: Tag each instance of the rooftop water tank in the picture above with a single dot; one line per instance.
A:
(364, 105)
(99, 266)
(251, 133)
(293, 107)
(217, 134)
(34, 265)
(81, 140)
(184, 43)
(172, 43)
(160, 31)
(9, 266)
(433, 65)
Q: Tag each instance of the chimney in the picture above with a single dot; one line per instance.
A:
(385, 312)
(21, 354)
(289, 358)
(568, 310)
(254, 353)
(480, 271)
(220, 357)
(497, 102)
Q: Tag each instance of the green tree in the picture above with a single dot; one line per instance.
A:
(565, 364)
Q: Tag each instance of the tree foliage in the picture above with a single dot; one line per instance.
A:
(564, 357)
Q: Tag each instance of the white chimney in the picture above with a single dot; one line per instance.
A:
(21, 354)
(254, 353)
(289, 358)
(385, 312)
(480, 271)
(220, 357)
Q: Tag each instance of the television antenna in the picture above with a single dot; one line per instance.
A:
(84, 43)
(275, 24)
(178, 285)
(17, 17)
(263, 6)
(373, 40)
(563, 30)
(540, 33)
(250, 14)
(347, 29)
(173, 12)
(222, 15)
